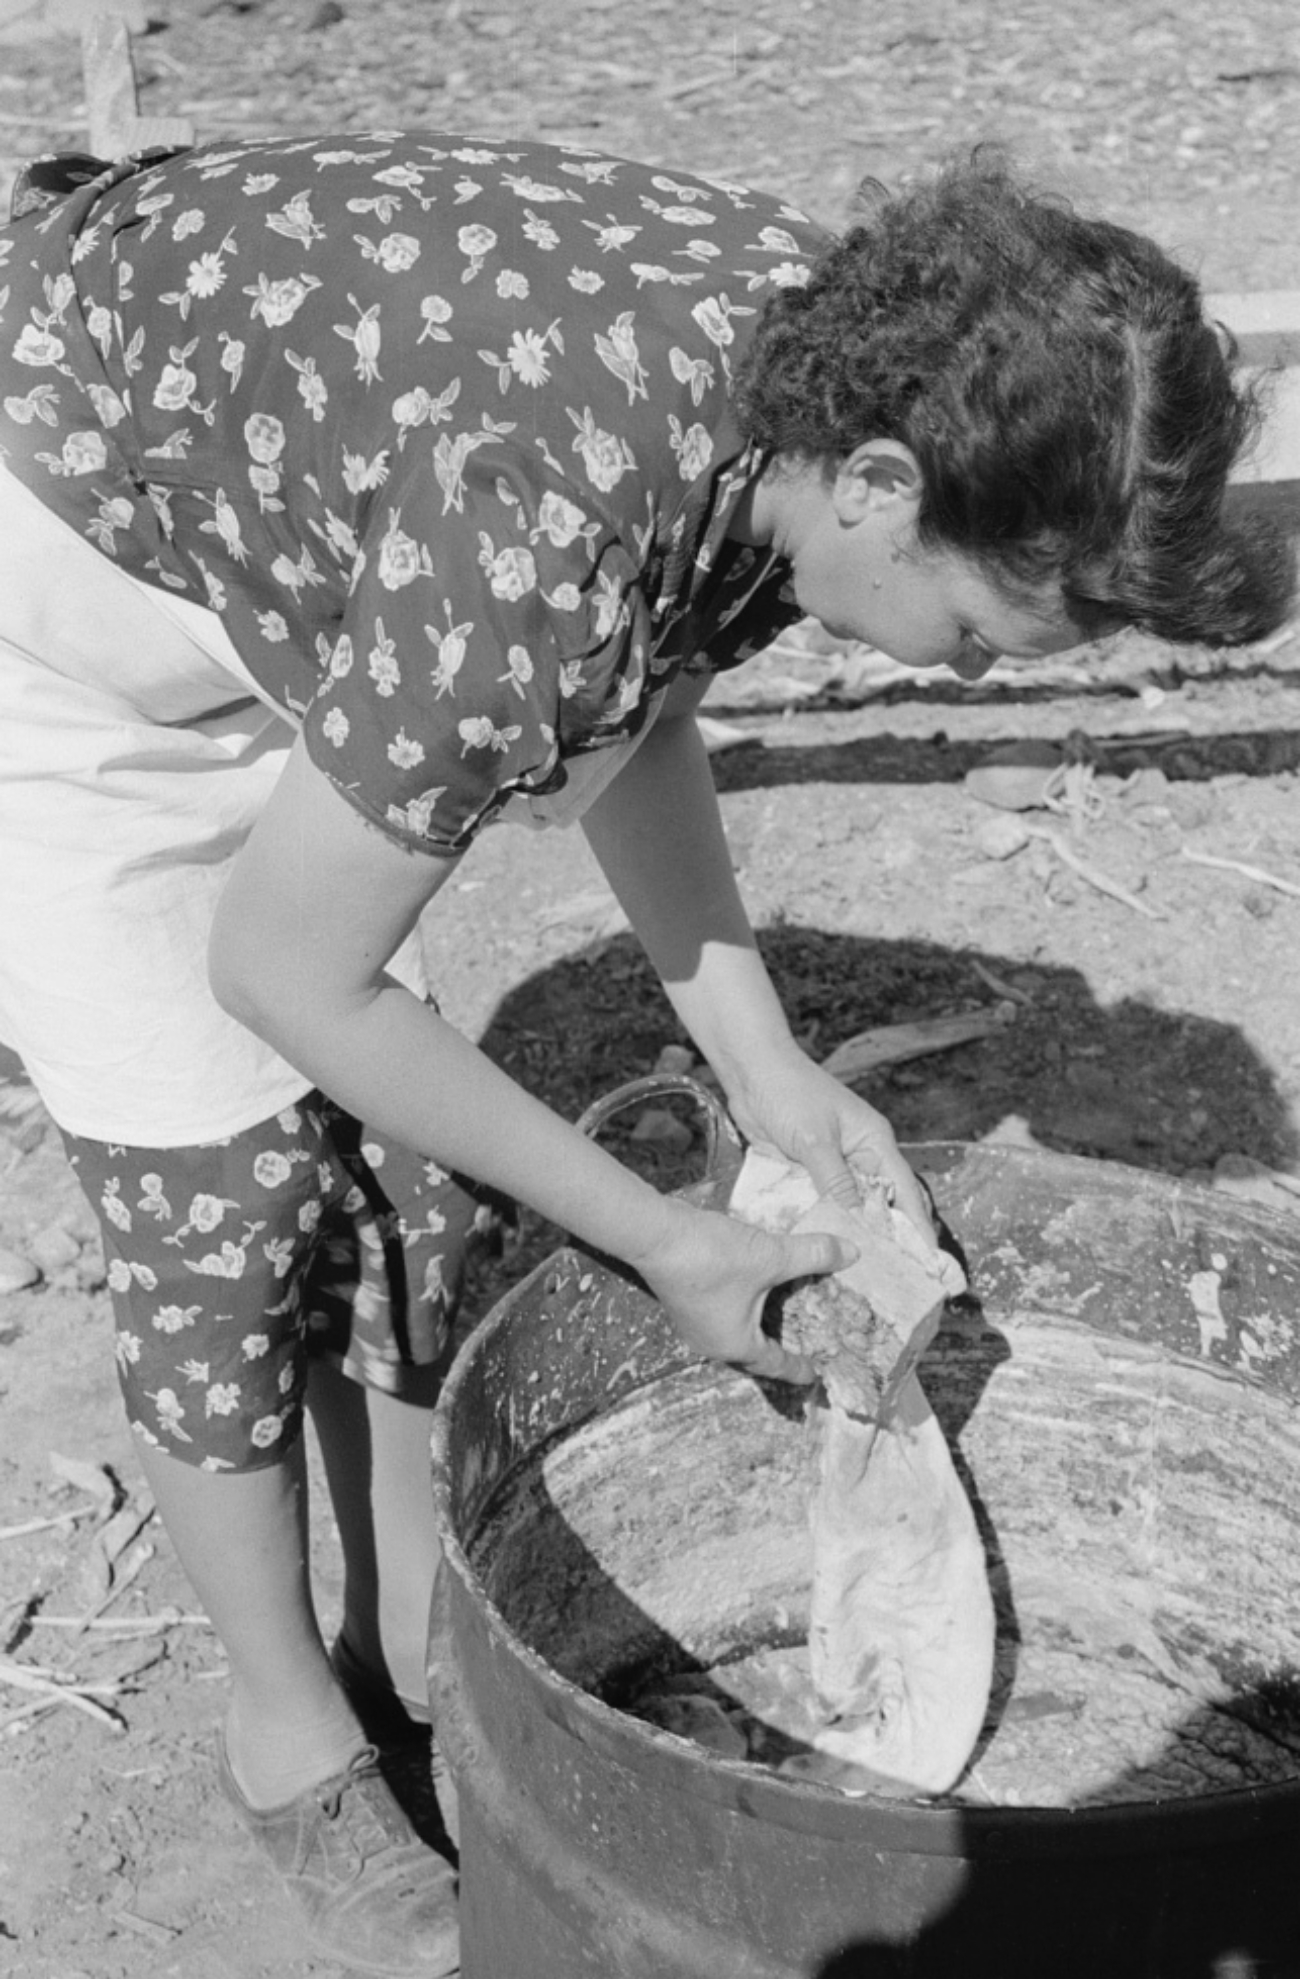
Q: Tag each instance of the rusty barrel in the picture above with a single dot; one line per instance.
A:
(594, 1846)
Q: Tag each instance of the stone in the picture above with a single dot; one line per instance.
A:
(1015, 777)
(664, 1129)
(17, 1272)
(1001, 837)
(54, 1248)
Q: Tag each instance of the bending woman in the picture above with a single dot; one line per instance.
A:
(364, 493)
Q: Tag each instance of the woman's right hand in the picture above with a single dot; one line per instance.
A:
(713, 1274)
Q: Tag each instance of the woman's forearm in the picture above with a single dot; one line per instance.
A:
(407, 1072)
(317, 903)
(658, 836)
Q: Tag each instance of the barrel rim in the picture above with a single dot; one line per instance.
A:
(914, 1827)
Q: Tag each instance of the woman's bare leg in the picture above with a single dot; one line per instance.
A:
(376, 1451)
(242, 1540)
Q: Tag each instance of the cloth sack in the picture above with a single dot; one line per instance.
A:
(901, 1624)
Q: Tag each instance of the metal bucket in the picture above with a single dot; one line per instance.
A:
(594, 1846)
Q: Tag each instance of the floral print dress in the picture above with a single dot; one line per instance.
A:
(440, 429)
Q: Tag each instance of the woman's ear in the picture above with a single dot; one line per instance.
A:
(877, 474)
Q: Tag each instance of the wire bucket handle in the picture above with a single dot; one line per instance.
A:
(723, 1148)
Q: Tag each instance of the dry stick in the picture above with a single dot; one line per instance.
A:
(892, 1044)
(1102, 881)
(1256, 873)
(170, 1618)
(108, 72)
(79, 1695)
(137, 1559)
(996, 984)
(147, 1927)
(42, 1525)
(694, 85)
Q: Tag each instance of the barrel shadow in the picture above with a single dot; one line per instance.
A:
(1164, 1913)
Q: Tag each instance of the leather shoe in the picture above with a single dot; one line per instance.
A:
(409, 1755)
(375, 1898)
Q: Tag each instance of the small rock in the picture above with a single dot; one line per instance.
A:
(1014, 777)
(1001, 837)
(17, 1272)
(664, 1129)
(328, 14)
(54, 1248)
(895, 854)
(1193, 804)
(90, 1273)
(1241, 1175)
(80, 1220)
(700, 1719)
(674, 1059)
(1012, 1131)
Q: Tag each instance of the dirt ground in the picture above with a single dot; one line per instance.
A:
(1132, 943)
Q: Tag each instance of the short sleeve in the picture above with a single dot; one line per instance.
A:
(495, 626)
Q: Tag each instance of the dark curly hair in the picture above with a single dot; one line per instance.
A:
(1073, 412)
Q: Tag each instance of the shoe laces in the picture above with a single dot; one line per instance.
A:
(361, 1807)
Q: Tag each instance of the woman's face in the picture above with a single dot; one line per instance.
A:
(857, 566)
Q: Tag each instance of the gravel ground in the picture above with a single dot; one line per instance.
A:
(1157, 1027)
(1180, 120)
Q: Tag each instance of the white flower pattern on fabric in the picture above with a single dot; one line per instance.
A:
(523, 582)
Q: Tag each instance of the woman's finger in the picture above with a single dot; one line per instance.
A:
(771, 1362)
(834, 1179)
(814, 1253)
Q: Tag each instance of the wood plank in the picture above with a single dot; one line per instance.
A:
(112, 108)
(1265, 322)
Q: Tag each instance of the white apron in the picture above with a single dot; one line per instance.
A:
(136, 753)
(134, 758)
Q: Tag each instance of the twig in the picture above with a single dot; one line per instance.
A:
(147, 1927)
(139, 1558)
(83, 1696)
(43, 1525)
(996, 984)
(893, 1044)
(1255, 873)
(1102, 881)
(170, 1618)
(693, 85)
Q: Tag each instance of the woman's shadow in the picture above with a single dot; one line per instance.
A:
(1066, 1073)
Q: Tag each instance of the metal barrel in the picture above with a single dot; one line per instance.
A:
(594, 1846)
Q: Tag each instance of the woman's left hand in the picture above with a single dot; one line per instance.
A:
(789, 1103)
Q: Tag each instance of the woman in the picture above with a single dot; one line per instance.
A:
(474, 463)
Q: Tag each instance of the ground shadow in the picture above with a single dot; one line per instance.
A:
(883, 757)
(1164, 1090)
